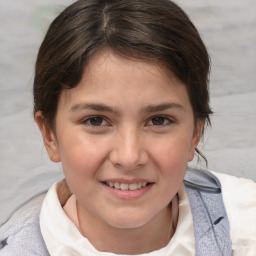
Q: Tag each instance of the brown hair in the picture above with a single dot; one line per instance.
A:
(141, 29)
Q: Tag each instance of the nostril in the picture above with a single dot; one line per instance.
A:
(128, 160)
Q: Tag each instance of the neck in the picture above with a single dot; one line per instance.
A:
(154, 235)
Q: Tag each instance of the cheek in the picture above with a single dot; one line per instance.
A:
(171, 158)
(81, 158)
(172, 151)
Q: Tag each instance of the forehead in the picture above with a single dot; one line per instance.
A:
(109, 77)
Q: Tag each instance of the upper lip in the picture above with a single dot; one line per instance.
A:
(125, 181)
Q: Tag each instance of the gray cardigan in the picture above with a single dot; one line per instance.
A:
(21, 235)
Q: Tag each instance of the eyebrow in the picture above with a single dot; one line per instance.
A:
(93, 106)
(162, 107)
(105, 108)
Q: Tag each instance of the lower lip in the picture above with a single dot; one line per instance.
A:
(129, 194)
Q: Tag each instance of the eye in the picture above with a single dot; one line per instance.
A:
(160, 121)
(95, 121)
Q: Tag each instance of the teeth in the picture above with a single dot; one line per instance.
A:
(133, 186)
(116, 185)
(124, 186)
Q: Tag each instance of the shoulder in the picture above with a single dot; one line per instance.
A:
(20, 234)
(239, 196)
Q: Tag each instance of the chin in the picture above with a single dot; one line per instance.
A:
(129, 220)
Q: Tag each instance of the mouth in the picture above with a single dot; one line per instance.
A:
(125, 186)
(128, 190)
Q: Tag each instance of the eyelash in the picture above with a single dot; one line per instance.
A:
(166, 121)
(89, 119)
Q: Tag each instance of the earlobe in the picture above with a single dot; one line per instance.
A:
(49, 138)
(196, 138)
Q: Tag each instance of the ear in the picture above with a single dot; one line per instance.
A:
(49, 138)
(196, 138)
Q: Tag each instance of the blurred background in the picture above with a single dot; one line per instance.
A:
(228, 29)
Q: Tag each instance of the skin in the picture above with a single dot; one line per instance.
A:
(144, 130)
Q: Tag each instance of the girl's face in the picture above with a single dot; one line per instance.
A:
(124, 136)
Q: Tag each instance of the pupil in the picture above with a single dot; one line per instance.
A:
(96, 121)
(158, 120)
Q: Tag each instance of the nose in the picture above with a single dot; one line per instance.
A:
(129, 152)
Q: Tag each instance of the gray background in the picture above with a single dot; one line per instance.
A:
(229, 31)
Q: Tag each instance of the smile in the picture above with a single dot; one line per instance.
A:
(124, 186)
(128, 190)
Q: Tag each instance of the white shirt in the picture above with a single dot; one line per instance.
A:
(63, 238)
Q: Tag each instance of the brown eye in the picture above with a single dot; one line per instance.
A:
(159, 120)
(95, 121)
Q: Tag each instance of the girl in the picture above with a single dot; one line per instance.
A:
(121, 99)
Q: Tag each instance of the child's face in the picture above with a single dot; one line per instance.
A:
(127, 123)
